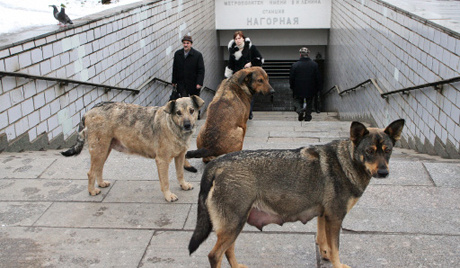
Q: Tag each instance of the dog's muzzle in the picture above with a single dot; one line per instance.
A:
(187, 126)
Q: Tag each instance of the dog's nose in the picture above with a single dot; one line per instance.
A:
(272, 90)
(382, 173)
(187, 125)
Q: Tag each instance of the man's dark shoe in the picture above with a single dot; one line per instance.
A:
(300, 116)
(308, 117)
(250, 116)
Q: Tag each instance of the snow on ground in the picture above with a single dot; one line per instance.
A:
(18, 15)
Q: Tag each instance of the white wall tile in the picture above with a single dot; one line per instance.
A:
(3, 120)
(36, 55)
(14, 114)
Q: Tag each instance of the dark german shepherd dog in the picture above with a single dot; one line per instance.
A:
(277, 186)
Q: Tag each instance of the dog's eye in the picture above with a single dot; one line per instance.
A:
(387, 150)
(370, 151)
(192, 110)
(179, 113)
(260, 81)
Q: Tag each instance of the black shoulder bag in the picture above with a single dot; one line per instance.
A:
(174, 94)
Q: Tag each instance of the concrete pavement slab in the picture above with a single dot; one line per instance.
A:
(169, 249)
(410, 197)
(119, 166)
(411, 251)
(21, 213)
(70, 247)
(149, 192)
(402, 209)
(444, 174)
(299, 134)
(24, 165)
(46, 190)
(251, 143)
(116, 215)
(412, 221)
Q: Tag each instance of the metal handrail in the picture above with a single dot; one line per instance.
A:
(433, 84)
(162, 81)
(64, 81)
(370, 80)
(437, 86)
(336, 87)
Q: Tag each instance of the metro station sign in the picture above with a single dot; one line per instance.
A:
(273, 14)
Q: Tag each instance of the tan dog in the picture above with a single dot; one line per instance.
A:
(225, 125)
(162, 133)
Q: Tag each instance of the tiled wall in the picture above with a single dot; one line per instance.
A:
(371, 39)
(121, 47)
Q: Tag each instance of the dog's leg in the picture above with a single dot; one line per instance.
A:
(163, 167)
(230, 254)
(333, 226)
(225, 240)
(99, 153)
(179, 162)
(321, 239)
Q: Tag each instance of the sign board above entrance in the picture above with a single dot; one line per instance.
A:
(273, 14)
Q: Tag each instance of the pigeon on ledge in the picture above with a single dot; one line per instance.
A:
(61, 16)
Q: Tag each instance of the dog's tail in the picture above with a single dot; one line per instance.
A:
(203, 223)
(200, 153)
(78, 147)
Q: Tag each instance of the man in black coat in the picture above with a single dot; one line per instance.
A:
(304, 80)
(188, 69)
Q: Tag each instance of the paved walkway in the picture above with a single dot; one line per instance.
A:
(47, 218)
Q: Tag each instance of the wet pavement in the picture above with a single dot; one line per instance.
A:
(47, 218)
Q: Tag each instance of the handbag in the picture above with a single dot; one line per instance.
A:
(174, 94)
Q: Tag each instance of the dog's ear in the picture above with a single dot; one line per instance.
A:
(394, 130)
(170, 106)
(357, 132)
(246, 76)
(197, 101)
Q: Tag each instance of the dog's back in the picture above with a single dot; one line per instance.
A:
(227, 114)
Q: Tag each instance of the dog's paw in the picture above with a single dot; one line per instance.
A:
(94, 191)
(186, 186)
(191, 169)
(104, 184)
(170, 197)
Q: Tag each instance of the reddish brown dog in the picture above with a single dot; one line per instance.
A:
(225, 126)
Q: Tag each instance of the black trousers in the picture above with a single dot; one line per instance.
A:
(298, 105)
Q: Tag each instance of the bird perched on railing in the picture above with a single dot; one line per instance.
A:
(61, 16)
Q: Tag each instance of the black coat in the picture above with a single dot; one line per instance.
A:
(237, 61)
(304, 78)
(188, 72)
